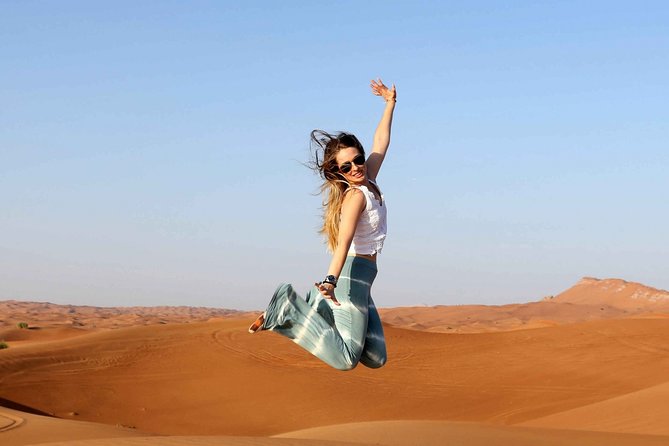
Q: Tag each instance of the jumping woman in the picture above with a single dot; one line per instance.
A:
(338, 321)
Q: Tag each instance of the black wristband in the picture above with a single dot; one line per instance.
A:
(332, 280)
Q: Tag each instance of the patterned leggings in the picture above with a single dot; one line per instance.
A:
(341, 336)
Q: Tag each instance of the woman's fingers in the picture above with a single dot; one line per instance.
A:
(379, 89)
(377, 84)
(327, 292)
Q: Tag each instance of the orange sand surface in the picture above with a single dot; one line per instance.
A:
(641, 412)
(587, 381)
(20, 428)
(439, 433)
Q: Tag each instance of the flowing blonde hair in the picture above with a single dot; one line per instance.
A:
(325, 147)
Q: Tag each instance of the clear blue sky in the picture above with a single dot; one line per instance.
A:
(150, 151)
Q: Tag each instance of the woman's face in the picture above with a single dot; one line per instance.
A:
(346, 160)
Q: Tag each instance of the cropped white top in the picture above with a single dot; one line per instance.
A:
(371, 230)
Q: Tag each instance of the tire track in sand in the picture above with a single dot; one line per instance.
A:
(8, 421)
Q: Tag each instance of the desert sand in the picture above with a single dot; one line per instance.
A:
(585, 367)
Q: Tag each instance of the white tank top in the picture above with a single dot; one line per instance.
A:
(371, 230)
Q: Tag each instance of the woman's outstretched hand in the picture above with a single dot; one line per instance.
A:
(379, 89)
(327, 290)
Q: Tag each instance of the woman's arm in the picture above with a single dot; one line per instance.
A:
(353, 205)
(382, 134)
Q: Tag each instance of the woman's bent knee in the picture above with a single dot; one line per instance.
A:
(374, 363)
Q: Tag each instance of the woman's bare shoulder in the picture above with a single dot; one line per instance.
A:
(353, 196)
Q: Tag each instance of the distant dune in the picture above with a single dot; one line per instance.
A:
(590, 299)
(45, 314)
(635, 298)
(561, 371)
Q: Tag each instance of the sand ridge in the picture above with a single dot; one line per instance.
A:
(636, 412)
(200, 441)
(383, 433)
(26, 429)
(438, 433)
(394, 433)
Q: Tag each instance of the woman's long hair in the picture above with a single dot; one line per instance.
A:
(324, 148)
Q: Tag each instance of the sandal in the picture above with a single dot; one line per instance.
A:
(257, 325)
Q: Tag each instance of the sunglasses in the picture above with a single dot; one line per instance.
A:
(347, 166)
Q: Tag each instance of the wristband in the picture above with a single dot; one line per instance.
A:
(332, 280)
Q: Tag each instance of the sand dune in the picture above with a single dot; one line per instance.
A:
(206, 378)
(33, 430)
(393, 433)
(589, 299)
(630, 296)
(20, 428)
(598, 381)
(39, 315)
(202, 441)
(645, 411)
(491, 318)
(19, 337)
(439, 433)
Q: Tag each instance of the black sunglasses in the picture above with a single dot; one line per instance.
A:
(347, 166)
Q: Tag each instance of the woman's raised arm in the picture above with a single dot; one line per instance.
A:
(382, 134)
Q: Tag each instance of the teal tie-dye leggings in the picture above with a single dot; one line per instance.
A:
(341, 336)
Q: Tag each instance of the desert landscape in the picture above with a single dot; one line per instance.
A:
(584, 367)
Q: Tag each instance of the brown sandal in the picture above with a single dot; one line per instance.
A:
(257, 324)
